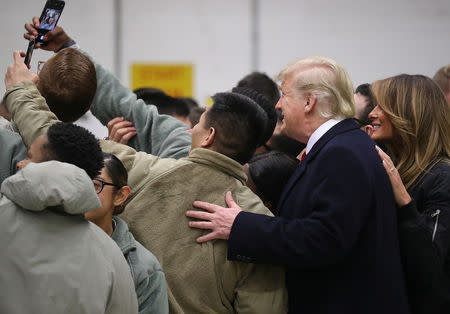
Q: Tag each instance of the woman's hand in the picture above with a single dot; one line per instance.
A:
(401, 195)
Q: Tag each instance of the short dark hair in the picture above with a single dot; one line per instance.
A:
(195, 114)
(263, 84)
(265, 104)
(118, 173)
(364, 89)
(285, 144)
(240, 124)
(270, 172)
(75, 145)
(68, 83)
(165, 103)
(191, 102)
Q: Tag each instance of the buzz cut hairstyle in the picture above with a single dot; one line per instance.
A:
(265, 104)
(240, 124)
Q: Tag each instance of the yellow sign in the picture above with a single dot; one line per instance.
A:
(174, 79)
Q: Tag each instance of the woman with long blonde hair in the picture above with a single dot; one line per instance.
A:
(411, 119)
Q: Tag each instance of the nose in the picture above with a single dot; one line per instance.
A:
(21, 164)
(373, 114)
(278, 105)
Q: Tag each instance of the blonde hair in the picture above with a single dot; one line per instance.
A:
(442, 78)
(420, 118)
(328, 81)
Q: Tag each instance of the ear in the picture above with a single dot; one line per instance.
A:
(121, 196)
(208, 140)
(311, 101)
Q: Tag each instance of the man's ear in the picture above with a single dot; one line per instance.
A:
(121, 196)
(311, 101)
(208, 140)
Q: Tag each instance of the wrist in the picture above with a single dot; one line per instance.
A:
(404, 200)
(67, 44)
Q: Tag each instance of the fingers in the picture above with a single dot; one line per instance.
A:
(36, 22)
(385, 157)
(208, 237)
(18, 55)
(201, 225)
(113, 122)
(32, 32)
(206, 206)
(386, 161)
(121, 131)
(124, 140)
(230, 201)
(199, 215)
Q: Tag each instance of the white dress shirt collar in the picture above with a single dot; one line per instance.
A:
(319, 132)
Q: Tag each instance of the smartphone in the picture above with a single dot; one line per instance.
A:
(49, 17)
(29, 52)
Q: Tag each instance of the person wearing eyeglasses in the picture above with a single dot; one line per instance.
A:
(53, 258)
(149, 279)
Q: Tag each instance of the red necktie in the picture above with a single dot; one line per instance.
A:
(302, 157)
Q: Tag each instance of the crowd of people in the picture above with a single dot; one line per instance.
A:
(321, 199)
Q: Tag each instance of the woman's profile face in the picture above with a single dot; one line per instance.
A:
(381, 126)
(106, 197)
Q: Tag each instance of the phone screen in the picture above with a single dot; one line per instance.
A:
(49, 17)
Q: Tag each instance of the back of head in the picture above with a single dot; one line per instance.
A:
(265, 104)
(420, 116)
(165, 103)
(270, 172)
(285, 144)
(68, 83)
(239, 123)
(191, 102)
(75, 145)
(442, 79)
(263, 84)
(195, 114)
(327, 80)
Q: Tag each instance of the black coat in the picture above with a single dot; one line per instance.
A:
(424, 232)
(337, 231)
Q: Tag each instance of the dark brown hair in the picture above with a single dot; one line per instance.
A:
(118, 173)
(68, 83)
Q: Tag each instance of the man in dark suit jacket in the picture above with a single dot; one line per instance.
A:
(337, 231)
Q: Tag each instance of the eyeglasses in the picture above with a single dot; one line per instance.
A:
(40, 66)
(100, 184)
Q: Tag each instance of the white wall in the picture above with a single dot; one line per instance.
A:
(372, 39)
(87, 21)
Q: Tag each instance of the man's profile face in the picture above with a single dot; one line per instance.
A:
(36, 152)
(292, 108)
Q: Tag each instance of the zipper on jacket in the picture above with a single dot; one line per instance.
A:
(435, 214)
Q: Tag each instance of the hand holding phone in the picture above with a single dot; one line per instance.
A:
(49, 17)
(18, 72)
